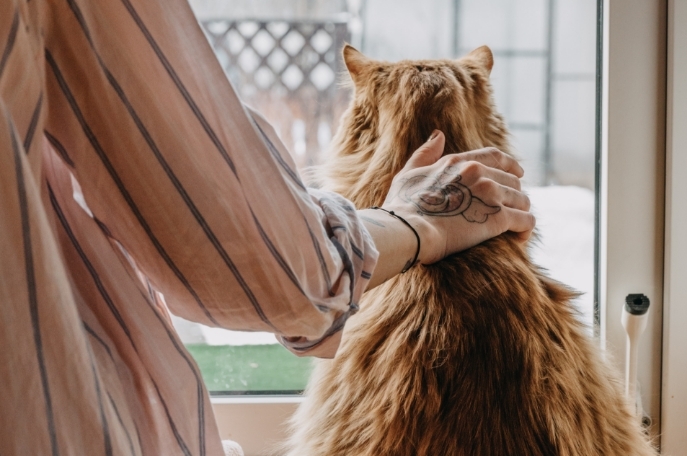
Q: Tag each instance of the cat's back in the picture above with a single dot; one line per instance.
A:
(474, 356)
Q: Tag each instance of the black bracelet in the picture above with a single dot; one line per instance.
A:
(410, 264)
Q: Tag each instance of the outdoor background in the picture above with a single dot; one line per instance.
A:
(283, 57)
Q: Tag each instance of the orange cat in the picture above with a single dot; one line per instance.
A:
(480, 354)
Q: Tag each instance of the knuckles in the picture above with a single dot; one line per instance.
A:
(494, 151)
(487, 156)
(495, 156)
(505, 161)
(472, 170)
(484, 188)
(452, 160)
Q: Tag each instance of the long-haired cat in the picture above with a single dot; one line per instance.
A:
(480, 354)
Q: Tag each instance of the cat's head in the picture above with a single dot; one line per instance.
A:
(396, 106)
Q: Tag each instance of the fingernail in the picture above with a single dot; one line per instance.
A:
(434, 134)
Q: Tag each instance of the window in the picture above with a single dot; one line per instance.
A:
(285, 63)
(674, 363)
(564, 102)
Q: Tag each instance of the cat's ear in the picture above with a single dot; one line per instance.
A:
(483, 56)
(355, 61)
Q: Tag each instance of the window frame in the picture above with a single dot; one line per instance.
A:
(632, 177)
(674, 392)
(642, 107)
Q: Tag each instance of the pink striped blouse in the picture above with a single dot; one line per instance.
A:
(129, 169)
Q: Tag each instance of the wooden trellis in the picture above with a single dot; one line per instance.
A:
(287, 70)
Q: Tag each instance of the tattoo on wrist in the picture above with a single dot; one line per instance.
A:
(445, 197)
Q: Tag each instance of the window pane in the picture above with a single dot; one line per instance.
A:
(256, 367)
(283, 57)
(544, 80)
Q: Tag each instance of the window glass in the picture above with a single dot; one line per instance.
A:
(283, 57)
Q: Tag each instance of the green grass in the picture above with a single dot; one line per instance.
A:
(251, 367)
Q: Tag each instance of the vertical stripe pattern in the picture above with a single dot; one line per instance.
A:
(120, 185)
(115, 312)
(32, 125)
(9, 44)
(142, 186)
(32, 292)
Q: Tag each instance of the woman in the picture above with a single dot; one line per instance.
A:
(129, 170)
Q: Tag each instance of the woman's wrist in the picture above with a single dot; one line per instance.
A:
(416, 256)
(395, 241)
(433, 244)
(430, 250)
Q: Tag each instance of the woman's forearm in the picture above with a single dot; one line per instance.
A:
(395, 242)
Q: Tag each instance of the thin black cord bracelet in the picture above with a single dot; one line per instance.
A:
(410, 264)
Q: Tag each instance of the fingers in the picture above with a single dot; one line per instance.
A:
(429, 152)
(491, 157)
(498, 187)
(432, 150)
(520, 222)
(514, 199)
(475, 172)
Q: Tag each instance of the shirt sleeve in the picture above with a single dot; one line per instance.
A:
(197, 188)
(346, 233)
(348, 240)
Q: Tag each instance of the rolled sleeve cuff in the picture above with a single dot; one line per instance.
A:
(358, 257)
(324, 347)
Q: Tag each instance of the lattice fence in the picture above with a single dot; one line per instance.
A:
(288, 71)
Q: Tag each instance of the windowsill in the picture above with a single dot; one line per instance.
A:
(256, 399)
(258, 423)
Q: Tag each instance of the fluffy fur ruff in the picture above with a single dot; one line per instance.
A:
(479, 354)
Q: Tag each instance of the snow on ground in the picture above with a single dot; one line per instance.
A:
(565, 222)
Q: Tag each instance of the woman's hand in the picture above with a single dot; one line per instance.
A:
(460, 200)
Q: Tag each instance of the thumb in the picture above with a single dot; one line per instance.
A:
(428, 153)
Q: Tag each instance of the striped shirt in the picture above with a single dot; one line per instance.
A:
(130, 171)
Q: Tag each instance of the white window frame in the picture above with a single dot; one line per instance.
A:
(643, 209)
(632, 182)
(674, 381)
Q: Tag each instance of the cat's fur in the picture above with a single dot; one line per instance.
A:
(480, 354)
